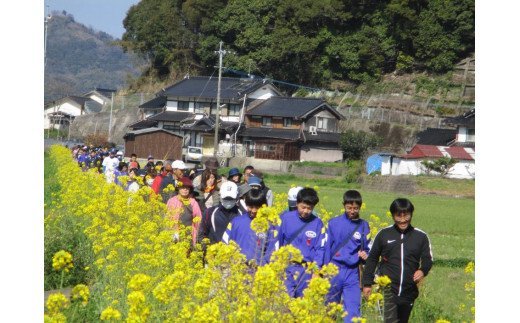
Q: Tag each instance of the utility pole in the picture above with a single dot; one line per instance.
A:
(217, 118)
(110, 120)
(46, 21)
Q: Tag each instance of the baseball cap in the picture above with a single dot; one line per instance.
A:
(229, 189)
(119, 153)
(253, 180)
(243, 189)
(178, 164)
(150, 157)
(291, 195)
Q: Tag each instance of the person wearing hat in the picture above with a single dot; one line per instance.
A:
(291, 197)
(119, 155)
(210, 165)
(174, 172)
(242, 190)
(216, 219)
(235, 175)
(183, 208)
(256, 180)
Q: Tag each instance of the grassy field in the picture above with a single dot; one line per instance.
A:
(450, 224)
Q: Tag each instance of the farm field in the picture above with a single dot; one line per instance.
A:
(449, 221)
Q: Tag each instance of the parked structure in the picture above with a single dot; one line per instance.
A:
(160, 143)
(432, 144)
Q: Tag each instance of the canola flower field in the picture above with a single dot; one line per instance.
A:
(115, 249)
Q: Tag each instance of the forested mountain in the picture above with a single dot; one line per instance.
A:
(80, 59)
(307, 41)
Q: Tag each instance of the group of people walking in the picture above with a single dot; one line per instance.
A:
(226, 207)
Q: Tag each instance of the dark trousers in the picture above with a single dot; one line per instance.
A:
(396, 309)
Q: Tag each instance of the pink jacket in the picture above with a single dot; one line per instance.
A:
(175, 206)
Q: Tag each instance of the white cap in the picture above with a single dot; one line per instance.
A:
(293, 192)
(179, 164)
(119, 153)
(229, 189)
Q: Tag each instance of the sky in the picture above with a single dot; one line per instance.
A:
(102, 15)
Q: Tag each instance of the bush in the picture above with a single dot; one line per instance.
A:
(354, 171)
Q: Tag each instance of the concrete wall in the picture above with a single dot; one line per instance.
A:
(98, 123)
(318, 154)
(261, 164)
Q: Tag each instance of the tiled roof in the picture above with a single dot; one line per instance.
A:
(148, 130)
(77, 99)
(155, 103)
(429, 151)
(93, 106)
(466, 119)
(143, 124)
(290, 107)
(436, 136)
(171, 116)
(206, 87)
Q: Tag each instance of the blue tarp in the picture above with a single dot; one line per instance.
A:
(374, 163)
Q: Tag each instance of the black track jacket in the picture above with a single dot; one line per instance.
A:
(402, 253)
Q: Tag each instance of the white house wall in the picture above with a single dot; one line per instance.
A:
(263, 93)
(385, 165)
(462, 134)
(464, 169)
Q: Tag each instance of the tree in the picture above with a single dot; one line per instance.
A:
(355, 144)
(441, 165)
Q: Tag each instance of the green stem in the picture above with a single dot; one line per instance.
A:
(61, 280)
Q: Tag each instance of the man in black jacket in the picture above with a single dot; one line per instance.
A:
(406, 258)
(216, 219)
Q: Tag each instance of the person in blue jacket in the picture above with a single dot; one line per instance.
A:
(252, 244)
(303, 230)
(346, 245)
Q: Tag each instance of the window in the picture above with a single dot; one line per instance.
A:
(287, 122)
(321, 123)
(183, 106)
(172, 126)
(266, 121)
(234, 110)
(213, 109)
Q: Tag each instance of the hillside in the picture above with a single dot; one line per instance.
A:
(80, 59)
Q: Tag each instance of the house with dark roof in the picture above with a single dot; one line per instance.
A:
(188, 107)
(287, 128)
(62, 112)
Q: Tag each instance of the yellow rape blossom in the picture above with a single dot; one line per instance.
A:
(110, 314)
(383, 281)
(62, 260)
(80, 292)
(56, 302)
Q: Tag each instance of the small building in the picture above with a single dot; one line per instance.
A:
(62, 112)
(160, 143)
(410, 163)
